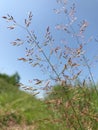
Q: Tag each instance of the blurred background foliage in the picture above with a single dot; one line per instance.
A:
(13, 79)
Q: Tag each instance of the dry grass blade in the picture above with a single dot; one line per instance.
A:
(22, 59)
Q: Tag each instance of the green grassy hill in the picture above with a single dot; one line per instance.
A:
(64, 109)
(18, 107)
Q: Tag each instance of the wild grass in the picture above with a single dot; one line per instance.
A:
(65, 108)
(76, 108)
(18, 107)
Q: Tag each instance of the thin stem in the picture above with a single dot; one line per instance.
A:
(73, 109)
(41, 51)
(84, 58)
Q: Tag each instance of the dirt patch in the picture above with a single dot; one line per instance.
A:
(18, 127)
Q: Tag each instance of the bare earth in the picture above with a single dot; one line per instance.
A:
(18, 127)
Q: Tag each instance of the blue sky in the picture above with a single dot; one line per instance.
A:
(43, 16)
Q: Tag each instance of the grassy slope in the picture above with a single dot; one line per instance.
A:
(17, 107)
(22, 109)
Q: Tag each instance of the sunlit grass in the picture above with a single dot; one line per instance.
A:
(66, 108)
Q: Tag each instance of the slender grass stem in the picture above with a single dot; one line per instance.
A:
(48, 61)
(84, 58)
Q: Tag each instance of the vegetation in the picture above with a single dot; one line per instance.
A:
(17, 107)
(75, 107)
(69, 106)
(13, 79)
(64, 108)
